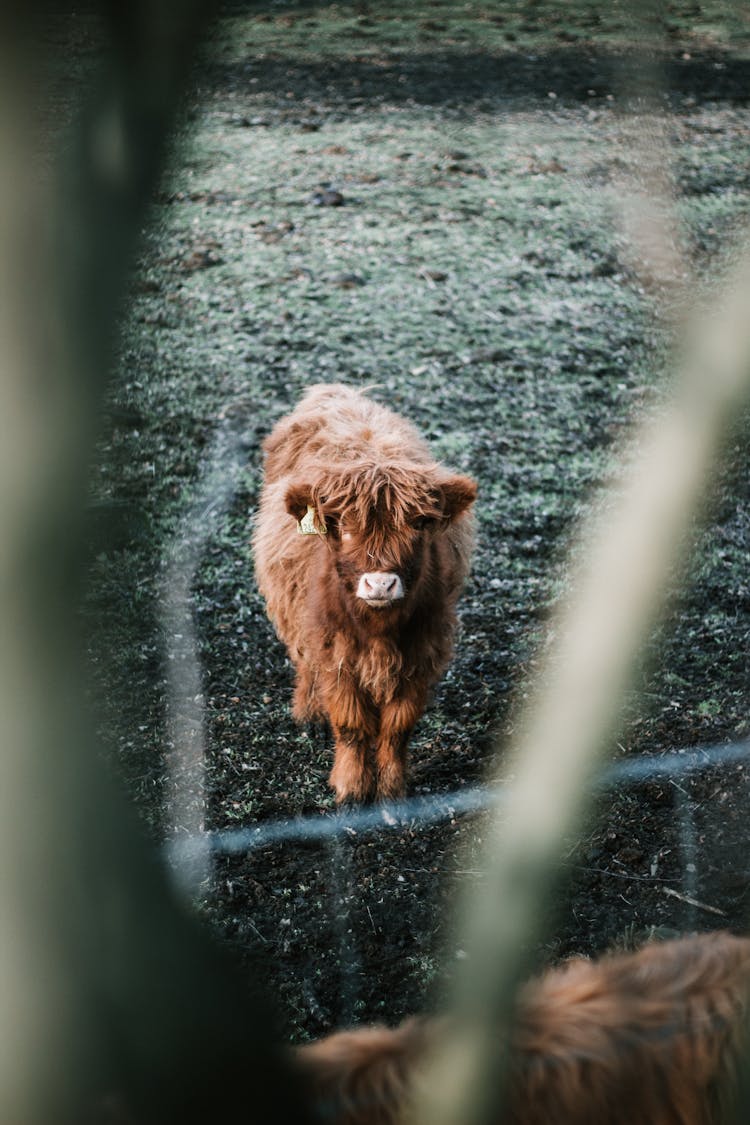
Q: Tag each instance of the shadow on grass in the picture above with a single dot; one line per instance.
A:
(479, 79)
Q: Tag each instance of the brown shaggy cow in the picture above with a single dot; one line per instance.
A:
(646, 1038)
(365, 598)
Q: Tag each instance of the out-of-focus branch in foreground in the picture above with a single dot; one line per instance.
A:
(113, 1000)
(628, 563)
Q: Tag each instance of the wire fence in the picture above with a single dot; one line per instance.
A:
(427, 810)
(186, 757)
(191, 855)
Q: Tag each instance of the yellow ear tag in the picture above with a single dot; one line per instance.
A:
(307, 526)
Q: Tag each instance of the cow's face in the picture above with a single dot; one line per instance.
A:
(379, 537)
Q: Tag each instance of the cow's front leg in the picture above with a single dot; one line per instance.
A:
(396, 724)
(353, 775)
(354, 728)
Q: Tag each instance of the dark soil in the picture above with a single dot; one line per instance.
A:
(426, 203)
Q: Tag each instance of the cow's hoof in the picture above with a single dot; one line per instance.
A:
(352, 790)
(391, 785)
(390, 793)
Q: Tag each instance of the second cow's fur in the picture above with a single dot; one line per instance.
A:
(647, 1038)
(366, 606)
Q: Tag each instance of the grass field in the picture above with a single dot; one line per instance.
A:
(429, 203)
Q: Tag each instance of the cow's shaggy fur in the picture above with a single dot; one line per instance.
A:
(647, 1038)
(367, 610)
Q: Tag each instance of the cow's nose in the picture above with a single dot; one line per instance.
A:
(379, 583)
(380, 586)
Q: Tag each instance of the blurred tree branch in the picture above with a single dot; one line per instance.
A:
(108, 989)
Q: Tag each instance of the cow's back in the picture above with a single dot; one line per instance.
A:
(335, 425)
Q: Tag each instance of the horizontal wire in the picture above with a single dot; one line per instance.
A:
(677, 762)
(423, 811)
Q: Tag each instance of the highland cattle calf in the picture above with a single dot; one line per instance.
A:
(364, 598)
(646, 1038)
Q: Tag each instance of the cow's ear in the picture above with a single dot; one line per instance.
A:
(459, 493)
(297, 498)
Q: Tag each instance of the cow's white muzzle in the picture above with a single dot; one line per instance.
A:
(380, 589)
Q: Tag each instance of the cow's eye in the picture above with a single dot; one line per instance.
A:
(422, 522)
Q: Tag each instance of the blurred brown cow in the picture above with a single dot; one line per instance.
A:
(646, 1038)
(365, 598)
